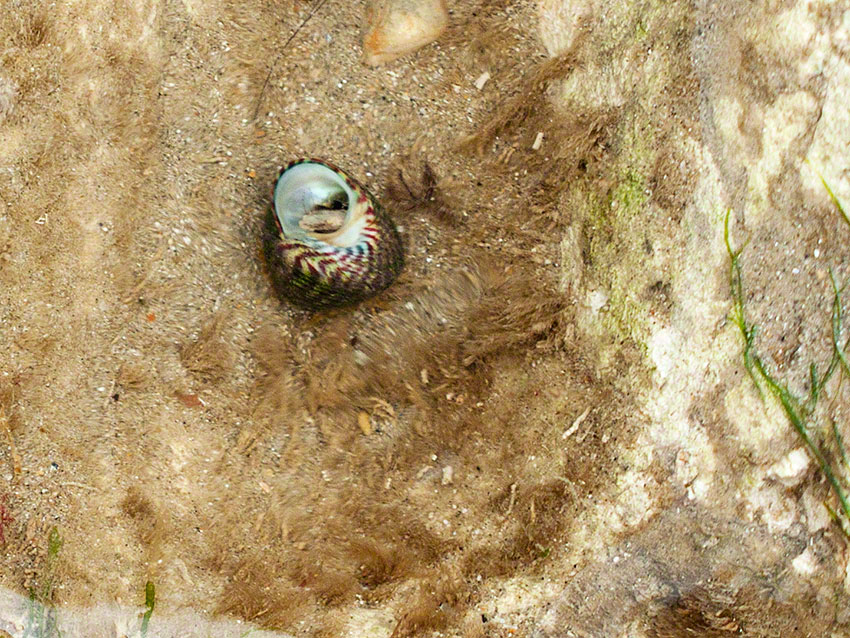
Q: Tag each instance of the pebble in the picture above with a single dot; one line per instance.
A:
(365, 423)
(394, 28)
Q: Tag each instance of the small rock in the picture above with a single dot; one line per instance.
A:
(394, 28)
(365, 423)
(791, 468)
(189, 400)
(360, 358)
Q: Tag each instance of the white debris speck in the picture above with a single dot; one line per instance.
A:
(448, 475)
(579, 420)
(596, 299)
(806, 563)
(538, 141)
(664, 346)
(482, 80)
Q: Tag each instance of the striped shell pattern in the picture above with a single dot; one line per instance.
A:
(323, 268)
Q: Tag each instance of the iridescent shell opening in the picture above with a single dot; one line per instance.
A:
(313, 201)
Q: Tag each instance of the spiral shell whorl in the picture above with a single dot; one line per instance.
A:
(323, 270)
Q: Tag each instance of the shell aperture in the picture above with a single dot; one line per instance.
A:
(328, 242)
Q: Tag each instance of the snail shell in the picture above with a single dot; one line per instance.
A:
(328, 242)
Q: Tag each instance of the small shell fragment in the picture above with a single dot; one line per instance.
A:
(538, 141)
(482, 80)
(447, 475)
(394, 28)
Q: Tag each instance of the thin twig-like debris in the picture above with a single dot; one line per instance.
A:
(318, 5)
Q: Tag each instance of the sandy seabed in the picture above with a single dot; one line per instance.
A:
(542, 425)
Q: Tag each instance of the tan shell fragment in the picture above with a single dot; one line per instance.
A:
(397, 27)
